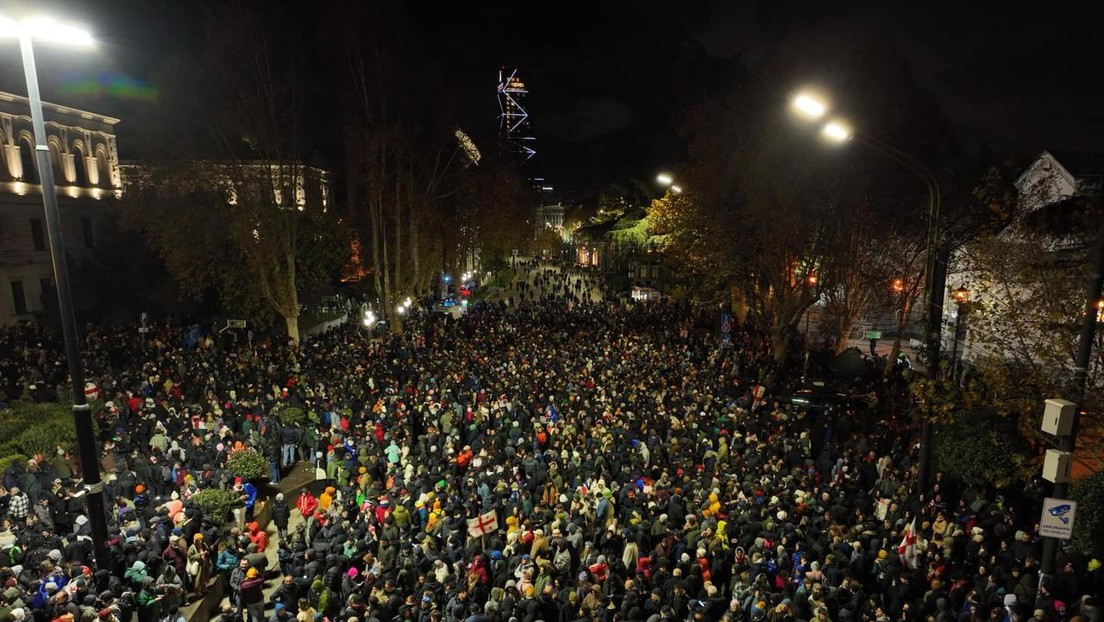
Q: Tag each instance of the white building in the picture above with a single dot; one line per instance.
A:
(551, 216)
(1052, 178)
(86, 171)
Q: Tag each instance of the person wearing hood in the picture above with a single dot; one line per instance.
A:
(325, 500)
(280, 514)
(257, 536)
(135, 575)
(149, 602)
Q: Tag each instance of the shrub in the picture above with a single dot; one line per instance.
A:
(979, 448)
(1088, 527)
(31, 428)
(215, 503)
(10, 459)
(247, 463)
(291, 416)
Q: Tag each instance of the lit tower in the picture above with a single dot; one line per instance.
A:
(513, 121)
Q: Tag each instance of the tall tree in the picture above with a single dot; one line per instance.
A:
(403, 157)
(257, 215)
(750, 216)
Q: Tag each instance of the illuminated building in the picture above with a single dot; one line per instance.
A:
(86, 172)
(513, 121)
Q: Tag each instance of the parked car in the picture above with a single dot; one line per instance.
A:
(825, 400)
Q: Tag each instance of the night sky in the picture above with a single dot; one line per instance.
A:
(611, 81)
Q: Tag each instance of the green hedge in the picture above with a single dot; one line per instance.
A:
(215, 503)
(247, 463)
(30, 428)
(1088, 527)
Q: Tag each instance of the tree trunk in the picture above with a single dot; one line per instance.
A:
(291, 318)
(292, 323)
(780, 343)
(844, 324)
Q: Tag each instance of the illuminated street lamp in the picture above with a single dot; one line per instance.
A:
(809, 106)
(836, 131)
(676, 189)
(47, 30)
(665, 179)
(813, 107)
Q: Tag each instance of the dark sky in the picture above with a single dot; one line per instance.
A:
(610, 81)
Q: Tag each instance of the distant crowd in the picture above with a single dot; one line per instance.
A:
(552, 457)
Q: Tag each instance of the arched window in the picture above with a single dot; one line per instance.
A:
(55, 160)
(103, 166)
(79, 164)
(27, 155)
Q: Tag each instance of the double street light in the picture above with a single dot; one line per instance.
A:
(46, 30)
(815, 108)
(665, 179)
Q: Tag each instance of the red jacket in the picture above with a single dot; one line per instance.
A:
(307, 504)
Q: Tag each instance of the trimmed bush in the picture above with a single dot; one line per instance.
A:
(31, 428)
(291, 416)
(247, 463)
(215, 503)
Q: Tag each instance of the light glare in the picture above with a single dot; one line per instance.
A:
(664, 179)
(809, 106)
(49, 30)
(8, 27)
(836, 131)
(676, 189)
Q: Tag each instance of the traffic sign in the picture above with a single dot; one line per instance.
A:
(235, 323)
(873, 334)
(1057, 518)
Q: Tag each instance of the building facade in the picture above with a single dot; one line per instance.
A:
(86, 171)
(1053, 179)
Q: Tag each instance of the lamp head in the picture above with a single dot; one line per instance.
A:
(836, 131)
(46, 30)
(809, 106)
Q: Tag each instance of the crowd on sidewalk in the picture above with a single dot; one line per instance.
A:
(556, 460)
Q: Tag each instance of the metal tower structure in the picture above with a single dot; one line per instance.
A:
(513, 120)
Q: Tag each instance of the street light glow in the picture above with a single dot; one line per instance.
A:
(809, 106)
(836, 132)
(665, 179)
(46, 29)
(676, 189)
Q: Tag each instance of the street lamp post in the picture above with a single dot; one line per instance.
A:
(935, 273)
(50, 31)
(961, 297)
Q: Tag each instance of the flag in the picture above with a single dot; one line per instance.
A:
(907, 549)
(483, 524)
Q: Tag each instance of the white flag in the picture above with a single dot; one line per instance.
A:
(483, 524)
(907, 550)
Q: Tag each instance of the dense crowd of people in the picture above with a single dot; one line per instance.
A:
(555, 458)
